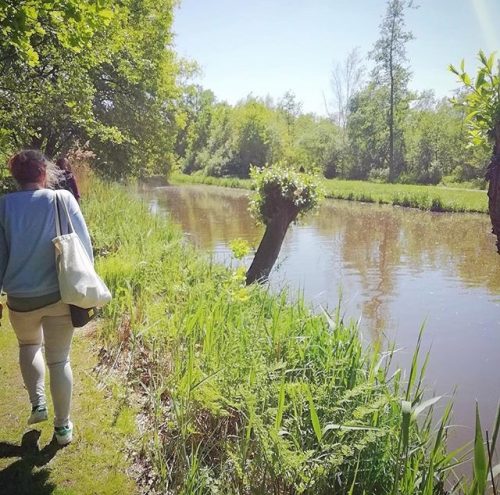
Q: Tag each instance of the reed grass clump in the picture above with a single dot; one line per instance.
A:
(245, 393)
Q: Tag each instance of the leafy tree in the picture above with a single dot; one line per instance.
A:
(434, 141)
(319, 142)
(137, 92)
(257, 143)
(195, 114)
(218, 157)
(290, 108)
(25, 27)
(482, 101)
(46, 54)
(85, 72)
(389, 54)
(482, 104)
(367, 132)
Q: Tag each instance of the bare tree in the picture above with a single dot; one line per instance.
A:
(346, 79)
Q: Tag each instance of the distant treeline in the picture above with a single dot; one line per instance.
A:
(223, 140)
(105, 77)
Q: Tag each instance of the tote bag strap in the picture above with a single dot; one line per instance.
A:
(57, 216)
(58, 202)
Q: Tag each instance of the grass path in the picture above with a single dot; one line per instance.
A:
(95, 463)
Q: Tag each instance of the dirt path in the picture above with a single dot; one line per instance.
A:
(95, 463)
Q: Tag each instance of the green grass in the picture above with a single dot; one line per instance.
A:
(247, 394)
(431, 198)
(30, 464)
(234, 182)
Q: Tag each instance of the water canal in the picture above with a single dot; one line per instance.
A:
(393, 269)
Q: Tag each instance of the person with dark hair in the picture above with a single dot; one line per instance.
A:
(28, 275)
(67, 179)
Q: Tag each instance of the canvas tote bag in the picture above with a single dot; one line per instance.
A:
(79, 283)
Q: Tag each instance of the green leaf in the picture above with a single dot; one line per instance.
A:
(405, 423)
(483, 58)
(465, 78)
(428, 403)
(314, 415)
(480, 464)
(490, 62)
(480, 80)
(281, 406)
(333, 426)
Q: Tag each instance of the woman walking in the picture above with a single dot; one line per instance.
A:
(28, 276)
(66, 178)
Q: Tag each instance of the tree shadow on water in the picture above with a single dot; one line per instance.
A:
(21, 477)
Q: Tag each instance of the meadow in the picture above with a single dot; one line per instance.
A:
(242, 392)
(430, 198)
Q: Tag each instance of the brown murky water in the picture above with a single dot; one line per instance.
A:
(394, 269)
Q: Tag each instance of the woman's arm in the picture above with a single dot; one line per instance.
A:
(4, 255)
(4, 247)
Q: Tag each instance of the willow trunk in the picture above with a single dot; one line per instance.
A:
(493, 176)
(269, 247)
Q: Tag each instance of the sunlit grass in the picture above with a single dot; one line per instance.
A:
(431, 198)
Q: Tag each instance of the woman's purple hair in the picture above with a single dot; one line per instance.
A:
(29, 165)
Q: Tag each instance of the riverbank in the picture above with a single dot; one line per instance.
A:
(244, 393)
(430, 198)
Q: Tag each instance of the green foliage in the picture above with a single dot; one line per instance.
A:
(98, 74)
(240, 248)
(482, 99)
(136, 91)
(367, 132)
(276, 184)
(70, 23)
(7, 183)
(220, 140)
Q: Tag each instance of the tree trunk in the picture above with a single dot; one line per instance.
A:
(270, 246)
(493, 175)
(392, 172)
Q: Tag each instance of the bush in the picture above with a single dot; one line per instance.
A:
(379, 175)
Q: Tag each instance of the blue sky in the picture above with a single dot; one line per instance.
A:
(266, 47)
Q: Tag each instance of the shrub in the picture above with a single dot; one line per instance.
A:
(379, 175)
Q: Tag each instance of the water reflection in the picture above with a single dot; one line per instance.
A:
(396, 268)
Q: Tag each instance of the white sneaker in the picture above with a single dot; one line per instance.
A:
(38, 414)
(64, 434)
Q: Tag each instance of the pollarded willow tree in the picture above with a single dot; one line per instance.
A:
(482, 106)
(281, 197)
